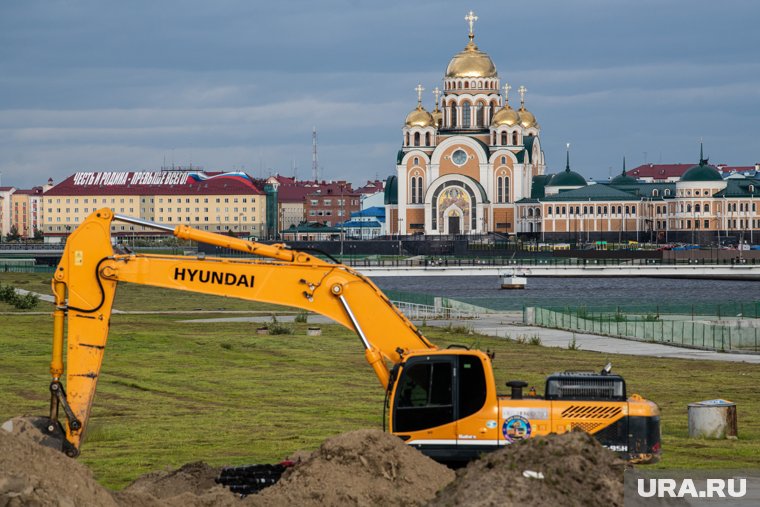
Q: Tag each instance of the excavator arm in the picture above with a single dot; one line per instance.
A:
(86, 278)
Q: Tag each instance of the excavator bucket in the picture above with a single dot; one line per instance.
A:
(41, 429)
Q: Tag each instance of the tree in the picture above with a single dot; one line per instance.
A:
(13, 234)
(38, 234)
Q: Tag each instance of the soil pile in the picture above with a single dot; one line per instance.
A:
(359, 468)
(197, 478)
(31, 474)
(571, 469)
(363, 468)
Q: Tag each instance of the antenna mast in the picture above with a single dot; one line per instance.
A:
(314, 162)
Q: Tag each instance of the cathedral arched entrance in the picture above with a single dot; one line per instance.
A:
(453, 220)
(454, 205)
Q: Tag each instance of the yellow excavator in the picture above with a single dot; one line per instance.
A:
(444, 402)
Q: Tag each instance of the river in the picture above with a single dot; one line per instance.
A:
(644, 293)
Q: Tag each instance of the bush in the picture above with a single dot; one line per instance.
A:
(26, 302)
(22, 302)
(535, 340)
(301, 318)
(573, 345)
(276, 328)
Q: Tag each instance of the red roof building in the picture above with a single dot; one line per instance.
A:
(212, 201)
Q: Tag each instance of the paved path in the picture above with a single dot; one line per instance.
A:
(504, 326)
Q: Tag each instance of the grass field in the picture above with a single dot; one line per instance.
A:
(172, 392)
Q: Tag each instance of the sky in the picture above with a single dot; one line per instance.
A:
(103, 85)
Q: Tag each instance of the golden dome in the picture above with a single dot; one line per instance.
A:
(471, 62)
(419, 118)
(527, 119)
(437, 117)
(505, 116)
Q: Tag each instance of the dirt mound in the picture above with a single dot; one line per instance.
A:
(29, 428)
(571, 469)
(197, 478)
(31, 474)
(364, 467)
(360, 468)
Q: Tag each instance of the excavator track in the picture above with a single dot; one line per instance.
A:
(250, 479)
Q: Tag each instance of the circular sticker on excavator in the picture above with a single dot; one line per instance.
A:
(516, 428)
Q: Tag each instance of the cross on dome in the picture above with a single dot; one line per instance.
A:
(507, 87)
(419, 89)
(471, 18)
(436, 94)
(522, 91)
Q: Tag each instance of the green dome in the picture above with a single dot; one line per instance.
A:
(702, 172)
(621, 179)
(390, 195)
(567, 178)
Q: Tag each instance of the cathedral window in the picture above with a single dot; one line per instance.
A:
(479, 113)
(688, 208)
(514, 138)
(416, 160)
(427, 139)
(503, 160)
(666, 193)
(707, 208)
(549, 211)
(466, 84)
(655, 193)
(697, 208)
(416, 194)
(633, 210)
(453, 115)
(466, 120)
(406, 142)
(504, 138)
(416, 138)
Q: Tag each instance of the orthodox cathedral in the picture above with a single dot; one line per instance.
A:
(463, 165)
(474, 165)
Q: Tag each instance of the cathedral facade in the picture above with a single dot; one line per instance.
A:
(464, 164)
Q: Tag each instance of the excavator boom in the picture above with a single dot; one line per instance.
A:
(86, 278)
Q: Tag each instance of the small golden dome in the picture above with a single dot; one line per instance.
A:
(471, 62)
(527, 120)
(437, 117)
(419, 118)
(505, 116)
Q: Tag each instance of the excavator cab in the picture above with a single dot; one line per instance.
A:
(438, 398)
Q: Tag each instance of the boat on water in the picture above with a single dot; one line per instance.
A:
(513, 279)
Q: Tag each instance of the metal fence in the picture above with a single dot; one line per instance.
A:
(737, 333)
(8, 268)
(427, 312)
